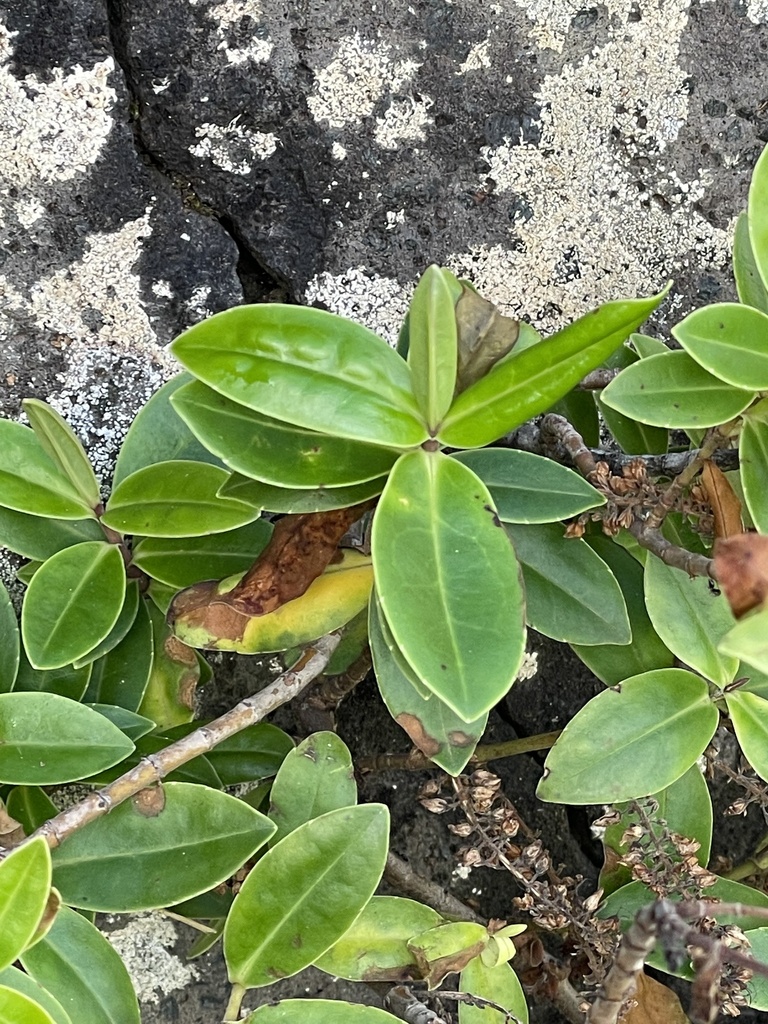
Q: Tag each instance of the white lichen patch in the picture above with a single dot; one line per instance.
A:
(478, 57)
(380, 303)
(227, 17)
(232, 147)
(144, 945)
(404, 120)
(757, 11)
(350, 85)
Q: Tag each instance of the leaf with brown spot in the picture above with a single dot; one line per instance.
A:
(741, 565)
(726, 505)
(150, 802)
(427, 744)
(11, 831)
(654, 1004)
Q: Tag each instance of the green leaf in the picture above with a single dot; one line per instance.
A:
(25, 884)
(579, 409)
(66, 681)
(272, 450)
(730, 341)
(646, 346)
(48, 739)
(125, 620)
(376, 946)
(749, 714)
(319, 1011)
(315, 777)
(753, 463)
(79, 967)
(128, 722)
(64, 448)
(169, 696)
(748, 640)
(38, 538)
(9, 642)
(26, 572)
(29, 479)
(72, 603)
(527, 383)
(633, 437)
(175, 499)
(690, 619)
(122, 675)
(16, 1008)
(752, 291)
(757, 986)
(498, 984)
(672, 390)
(433, 727)
(13, 978)
(757, 214)
(250, 755)
(432, 337)
(163, 846)
(304, 894)
(613, 662)
(756, 682)
(448, 581)
(181, 561)
(570, 593)
(288, 499)
(310, 367)
(31, 807)
(609, 752)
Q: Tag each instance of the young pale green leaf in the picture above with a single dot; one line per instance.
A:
(749, 714)
(13, 978)
(250, 755)
(448, 581)
(753, 463)
(313, 368)
(613, 662)
(31, 482)
(121, 676)
(66, 681)
(17, 1008)
(163, 846)
(72, 603)
(690, 619)
(748, 640)
(48, 739)
(498, 984)
(78, 966)
(609, 752)
(319, 1011)
(315, 777)
(64, 448)
(175, 499)
(303, 895)
(570, 593)
(528, 382)
(26, 572)
(730, 341)
(272, 450)
(30, 806)
(752, 291)
(295, 500)
(672, 390)
(756, 682)
(182, 561)
(25, 884)
(447, 948)
(38, 538)
(433, 727)
(757, 215)
(125, 620)
(432, 337)
(527, 488)
(9, 642)
(646, 346)
(376, 946)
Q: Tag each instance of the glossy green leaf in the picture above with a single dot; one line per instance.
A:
(319, 1011)
(169, 696)
(730, 341)
(749, 714)
(690, 619)
(353, 643)
(432, 337)
(646, 346)
(304, 894)
(528, 488)
(609, 752)
(448, 581)
(48, 739)
(66, 681)
(498, 984)
(250, 755)
(579, 409)
(17, 980)
(134, 726)
(310, 367)
(570, 593)
(17, 1008)
(753, 463)
(633, 437)
(182, 561)
(79, 967)
(64, 448)
(72, 603)
(757, 214)
(9, 642)
(27, 571)
(125, 620)
(315, 777)
(29, 479)
(756, 682)
(122, 675)
(272, 450)
(25, 884)
(748, 641)
(672, 390)
(179, 841)
(613, 662)
(31, 807)
(175, 499)
(433, 727)
(529, 382)
(38, 538)
(757, 986)
(288, 499)
(752, 291)
(447, 948)
(376, 946)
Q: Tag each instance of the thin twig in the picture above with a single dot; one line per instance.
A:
(155, 767)
(401, 876)
(597, 380)
(404, 1004)
(415, 760)
(672, 554)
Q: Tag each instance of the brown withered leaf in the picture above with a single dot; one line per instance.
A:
(11, 831)
(484, 337)
(655, 1004)
(726, 505)
(741, 565)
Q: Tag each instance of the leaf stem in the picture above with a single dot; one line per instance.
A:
(415, 760)
(232, 1012)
